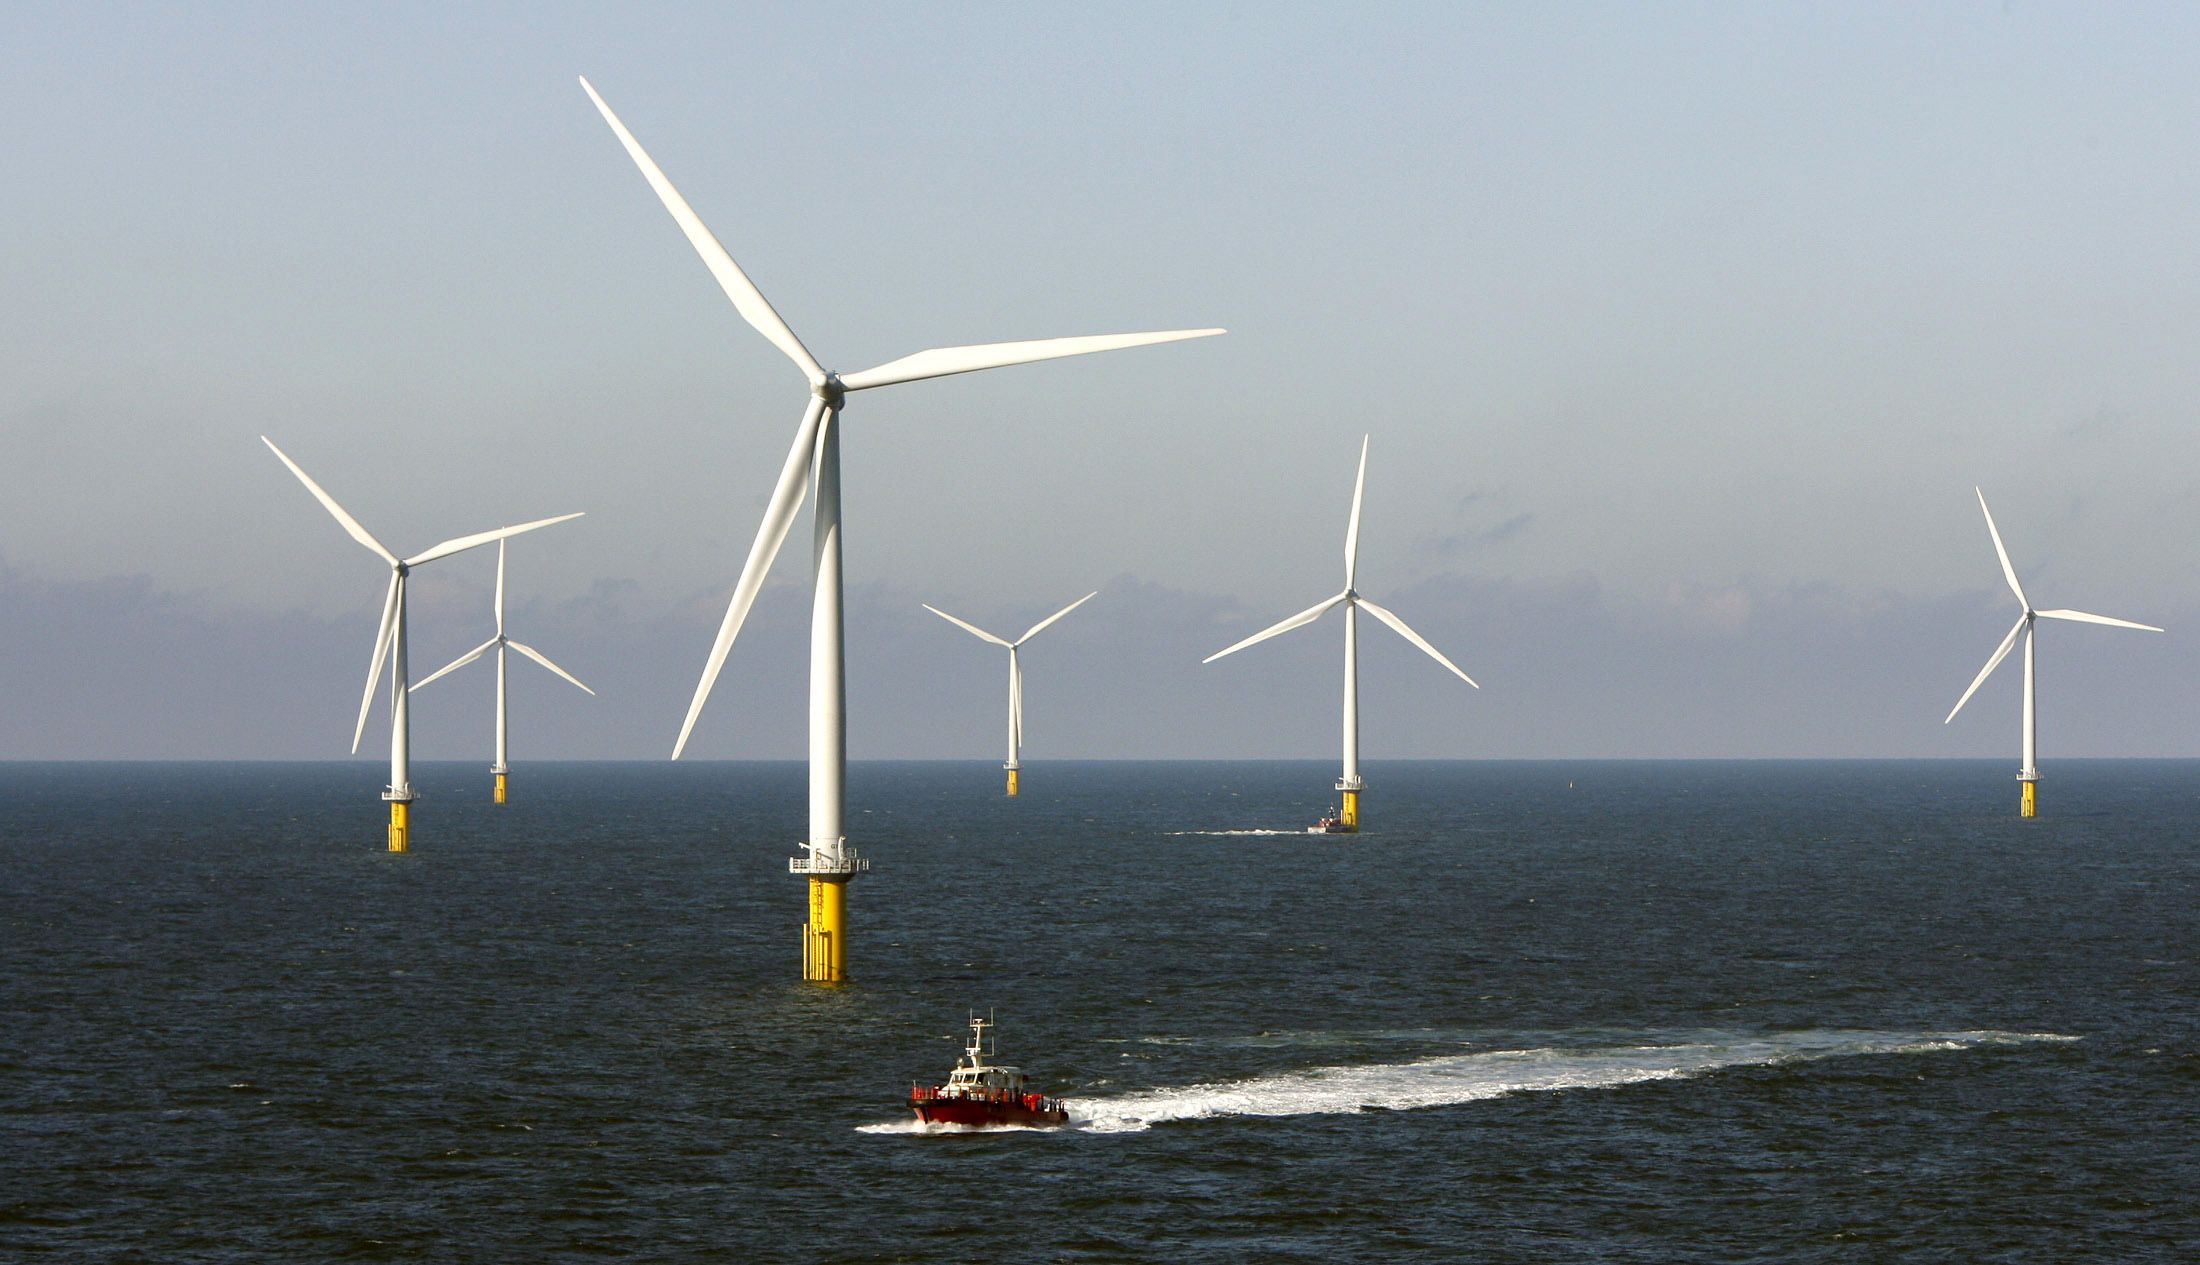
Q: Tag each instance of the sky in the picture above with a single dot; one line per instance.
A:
(1682, 334)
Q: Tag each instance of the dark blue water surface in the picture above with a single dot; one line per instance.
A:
(1537, 1012)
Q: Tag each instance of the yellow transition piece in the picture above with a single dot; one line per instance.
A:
(824, 939)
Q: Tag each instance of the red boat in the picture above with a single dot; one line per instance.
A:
(979, 1094)
(1330, 825)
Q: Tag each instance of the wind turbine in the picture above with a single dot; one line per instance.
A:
(1015, 675)
(813, 467)
(2028, 777)
(1350, 784)
(502, 768)
(390, 642)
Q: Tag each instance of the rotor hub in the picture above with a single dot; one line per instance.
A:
(830, 391)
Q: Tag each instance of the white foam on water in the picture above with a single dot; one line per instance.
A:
(1462, 1078)
(914, 1125)
(1217, 834)
(1288, 1038)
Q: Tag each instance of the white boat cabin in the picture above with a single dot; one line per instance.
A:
(987, 1077)
(975, 1075)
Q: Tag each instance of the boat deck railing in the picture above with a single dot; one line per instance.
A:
(939, 1093)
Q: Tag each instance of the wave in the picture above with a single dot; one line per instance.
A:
(1225, 833)
(1462, 1078)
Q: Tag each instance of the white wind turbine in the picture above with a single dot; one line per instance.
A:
(502, 768)
(2029, 775)
(391, 642)
(813, 467)
(1349, 785)
(1015, 675)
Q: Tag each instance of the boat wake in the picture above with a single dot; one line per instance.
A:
(1453, 1079)
(918, 1126)
(1219, 834)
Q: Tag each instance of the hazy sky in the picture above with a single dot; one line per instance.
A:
(1682, 331)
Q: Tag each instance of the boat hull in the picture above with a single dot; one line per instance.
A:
(980, 1113)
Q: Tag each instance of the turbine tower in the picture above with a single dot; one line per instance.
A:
(1015, 675)
(813, 468)
(1349, 783)
(502, 768)
(390, 643)
(2028, 776)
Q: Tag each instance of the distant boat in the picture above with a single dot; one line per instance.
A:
(1330, 825)
(981, 1094)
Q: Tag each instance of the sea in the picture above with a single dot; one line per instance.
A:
(1552, 1011)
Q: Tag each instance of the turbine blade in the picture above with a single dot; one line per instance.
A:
(455, 664)
(328, 503)
(374, 669)
(2083, 618)
(794, 482)
(1015, 705)
(1352, 532)
(1307, 616)
(967, 627)
(539, 657)
(1399, 626)
(1034, 630)
(463, 543)
(2001, 652)
(747, 299)
(500, 588)
(939, 362)
(2008, 572)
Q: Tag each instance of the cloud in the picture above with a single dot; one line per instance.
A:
(1452, 546)
(122, 668)
(2104, 425)
(1709, 608)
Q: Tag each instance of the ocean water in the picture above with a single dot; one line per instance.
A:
(1564, 1011)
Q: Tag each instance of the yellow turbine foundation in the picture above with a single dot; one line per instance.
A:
(400, 825)
(1012, 781)
(500, 788)
(2029, 806)
(1348, 810)
(824, 938)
